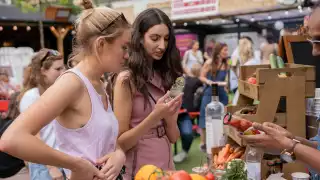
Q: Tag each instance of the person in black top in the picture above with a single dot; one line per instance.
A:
(192, 84)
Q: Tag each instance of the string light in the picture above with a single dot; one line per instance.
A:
(198, 22)
(28, 28)
(173, 24)
(223, 21)
(252, 19)
(287, 13)
(269, 17)
(1, 28)
(237, 20)
(299, 7)
(185, 24)
(15, 28)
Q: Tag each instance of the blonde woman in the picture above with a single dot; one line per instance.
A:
(246, 55)
(86, 127)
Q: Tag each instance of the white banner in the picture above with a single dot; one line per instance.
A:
(186, 9)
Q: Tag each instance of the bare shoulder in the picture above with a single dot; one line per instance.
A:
(68, 87)
(124, 81)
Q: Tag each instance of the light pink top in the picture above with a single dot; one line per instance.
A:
(154, 147)
(98, 137)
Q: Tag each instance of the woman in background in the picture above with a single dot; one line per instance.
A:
(246, 57)
(191, 57)
(147, 115)
(46, 66)
(214, 70)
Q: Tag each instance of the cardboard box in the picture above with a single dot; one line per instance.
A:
(265, 73)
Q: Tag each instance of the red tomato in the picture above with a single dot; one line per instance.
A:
(180, 175)
(235, 123)
(252, 80)
(210, 176)
(245, 124)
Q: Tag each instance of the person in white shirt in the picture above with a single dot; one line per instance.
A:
(191, 57)
(46, 66)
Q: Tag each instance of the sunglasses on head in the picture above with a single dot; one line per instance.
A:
(313, 41)
(50, 52)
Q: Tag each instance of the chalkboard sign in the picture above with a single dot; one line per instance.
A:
(299, 51)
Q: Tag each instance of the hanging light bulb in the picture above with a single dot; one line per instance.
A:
(299, 7)
(173, 24)
(269, 17)
(1, 28)
(15, 28)
(223, 21)
(28, 28)
(287, 13)
(237, 20)
(185, 24)
(252, 19)
(198, 22)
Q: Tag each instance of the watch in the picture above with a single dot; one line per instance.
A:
(288, 154)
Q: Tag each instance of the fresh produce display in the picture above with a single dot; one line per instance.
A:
(276, 62)
(237, 122)
(180, 175)
(236, 170)
(252, 80)
(226, 155)
(151, 172)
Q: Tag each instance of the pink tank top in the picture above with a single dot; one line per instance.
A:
(98, 137)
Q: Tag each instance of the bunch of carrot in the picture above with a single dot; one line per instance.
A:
(227, 154)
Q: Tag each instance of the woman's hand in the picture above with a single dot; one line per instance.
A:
(112, 164)
(55, 173)
(275, 137)
(85, 170)
(167, 107)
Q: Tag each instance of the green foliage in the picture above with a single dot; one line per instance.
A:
(27, 5)
(235, 171)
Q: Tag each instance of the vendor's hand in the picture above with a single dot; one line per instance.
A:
(278, 134)
(55, 173)
(263, 141)
(280, 129)
(112, 164)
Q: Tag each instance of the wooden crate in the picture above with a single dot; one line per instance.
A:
(233, 133)
(280, 118)
(265, 73)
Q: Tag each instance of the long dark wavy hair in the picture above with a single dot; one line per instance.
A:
(138, 66)
(215, 57)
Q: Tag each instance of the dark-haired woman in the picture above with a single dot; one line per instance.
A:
(147, 124)
(214, 70)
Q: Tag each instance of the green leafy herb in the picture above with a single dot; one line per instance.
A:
(235, 170)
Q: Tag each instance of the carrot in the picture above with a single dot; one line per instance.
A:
(237, 149)
(226, 150)
(234, 156)
(220, 156)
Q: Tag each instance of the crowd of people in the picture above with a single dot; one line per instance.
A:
(110, 113)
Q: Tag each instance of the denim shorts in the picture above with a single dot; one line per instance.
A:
(40, 172)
